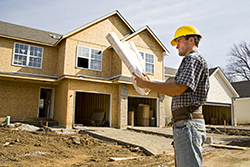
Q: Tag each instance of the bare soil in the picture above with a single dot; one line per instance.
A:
(39, 148)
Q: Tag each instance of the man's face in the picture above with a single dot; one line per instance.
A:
(183, 46)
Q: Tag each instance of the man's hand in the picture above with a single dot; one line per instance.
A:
(165, 88)
(142, 82)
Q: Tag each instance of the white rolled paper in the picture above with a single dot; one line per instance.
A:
(131, 57)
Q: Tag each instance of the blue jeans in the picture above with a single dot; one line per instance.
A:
(189, 136)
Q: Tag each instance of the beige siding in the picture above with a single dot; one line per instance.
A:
(146, 43)
(219, 91)
(61, 58)
(94, 87)
(168, 111)
(61, 103)
(19, 99)
(242, 110)
(94, 37)
(49, 64)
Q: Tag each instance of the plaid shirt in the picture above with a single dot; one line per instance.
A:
(193, 72)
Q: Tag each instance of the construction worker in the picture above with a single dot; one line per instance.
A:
(189, 92)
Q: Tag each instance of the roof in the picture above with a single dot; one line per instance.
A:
(14, 31)
(96, 21)
(170, 71)
(218, 70)
(243, 88)
(211, 70)
(152, 33)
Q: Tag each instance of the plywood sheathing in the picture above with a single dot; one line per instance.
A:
(86, 86)
(19, 99)
(61, 103)
(145, 42)
(94, 37)
(49, 64)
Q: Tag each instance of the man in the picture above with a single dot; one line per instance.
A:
(189, 93)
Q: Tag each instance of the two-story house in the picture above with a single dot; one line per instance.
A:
(46, 75)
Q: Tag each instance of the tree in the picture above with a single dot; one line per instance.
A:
(238, 67)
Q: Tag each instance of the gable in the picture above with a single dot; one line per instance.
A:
(96, 33)
(121, 23)
(221, 91)
(150, 40)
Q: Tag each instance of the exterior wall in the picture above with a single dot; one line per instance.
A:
(49, 64)
(116, 64)
(66, 116)
(94, 37)
(61, 58)
(20, 99)
(168, 112)
(161, 115)
(61, 104)
(123, 106)
(219, 91)
(146, 43)
(242, 110)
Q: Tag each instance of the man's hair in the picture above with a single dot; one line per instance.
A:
(196, 39)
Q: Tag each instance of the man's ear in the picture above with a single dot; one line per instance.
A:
(191, 39)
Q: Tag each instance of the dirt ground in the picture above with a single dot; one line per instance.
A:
(40, 148)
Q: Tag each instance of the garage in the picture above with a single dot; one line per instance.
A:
(92, 109)
(216, 114)
(142, 111)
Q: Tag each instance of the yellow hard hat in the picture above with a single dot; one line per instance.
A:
(183, 31)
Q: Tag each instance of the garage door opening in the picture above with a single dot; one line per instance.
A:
(142, 111)
(215, 115)
(92, 109)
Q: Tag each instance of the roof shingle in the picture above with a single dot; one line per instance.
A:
(17, 31)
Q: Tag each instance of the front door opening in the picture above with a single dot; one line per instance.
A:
(45, 109)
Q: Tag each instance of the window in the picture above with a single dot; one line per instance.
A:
(149, 62)
(27, 55)
(89, 58)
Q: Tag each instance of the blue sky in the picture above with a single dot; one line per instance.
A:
(221, 23)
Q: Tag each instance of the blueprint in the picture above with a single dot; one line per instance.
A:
(131, 57)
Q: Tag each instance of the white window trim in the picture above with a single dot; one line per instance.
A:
(89, 58)
(144, 58)
(28, 56)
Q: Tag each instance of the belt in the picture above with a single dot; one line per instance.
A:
(186, 113)
(185, 117)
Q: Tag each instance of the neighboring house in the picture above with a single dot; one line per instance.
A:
(169, 75)
(219, 100)
(242, 103)
(49, 76)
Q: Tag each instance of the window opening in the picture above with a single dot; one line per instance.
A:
(27, 55)
(149, 62)
(89, 58)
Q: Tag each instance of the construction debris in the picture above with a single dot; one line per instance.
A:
(228, 146)
(121, 158)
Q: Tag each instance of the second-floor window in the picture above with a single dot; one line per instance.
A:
(149, 62)
(89, 58)
(27, 55)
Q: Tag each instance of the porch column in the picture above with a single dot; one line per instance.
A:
(123, 106)
(161, 116)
